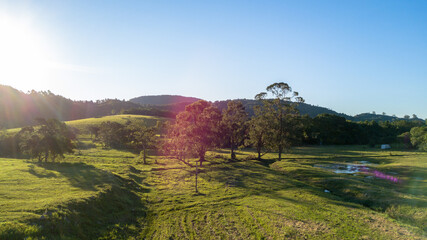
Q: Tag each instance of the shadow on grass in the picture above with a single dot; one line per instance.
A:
(258, 179)
(41, 174)
(266, 177)
(115, 213)
(81, 175)
(228, 151)
(360, 188)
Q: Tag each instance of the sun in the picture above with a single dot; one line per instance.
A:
(24, 52)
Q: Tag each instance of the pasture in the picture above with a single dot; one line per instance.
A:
(82, 124)
(108, 194)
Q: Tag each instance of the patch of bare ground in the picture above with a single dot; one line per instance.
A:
(389, 228)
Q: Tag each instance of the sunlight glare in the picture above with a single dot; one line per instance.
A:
(24, 53)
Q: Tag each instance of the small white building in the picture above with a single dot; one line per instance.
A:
(385, 146)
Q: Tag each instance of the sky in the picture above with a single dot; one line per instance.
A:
(349, 56)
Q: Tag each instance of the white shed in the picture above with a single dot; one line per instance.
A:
(385, 146)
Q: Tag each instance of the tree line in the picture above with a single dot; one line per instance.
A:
(327, 129)
(276, 125)
(48, 140)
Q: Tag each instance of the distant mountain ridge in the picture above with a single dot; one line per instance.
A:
(176, 104)
(163, 99)
(164, 103)
(19, 109)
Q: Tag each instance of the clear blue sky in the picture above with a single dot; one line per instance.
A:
(350, 56)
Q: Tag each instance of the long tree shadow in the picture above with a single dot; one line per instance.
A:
(265, 177)
(41, 174)
(372, 189)
(116, 212)
(257, 178)
(81, 175)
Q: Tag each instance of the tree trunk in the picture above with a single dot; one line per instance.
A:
(144, 156)
(280, 152)
(259, 153)
(46, 155)
(233, 155)
(201, 159)
(197, 173)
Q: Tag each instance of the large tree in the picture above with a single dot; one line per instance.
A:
(176, 143)
(142, 138)
(280, 110)
(113, 134)
(234, 125)
(258, 132)
(52, 138)
(199, 127)
(419, 137)
(196, 130)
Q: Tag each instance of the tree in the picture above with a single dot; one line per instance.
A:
(142, 138)
(30, 142)
(94, 131)
(331, 129)
(196, 130)
(281, 114)
(419, 137)
(113, 134)
(258, 131)
(52, 138)
(234, 125)
(176, 143)
(199, 126)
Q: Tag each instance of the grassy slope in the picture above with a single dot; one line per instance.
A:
(28, 189)
(81, 124)
(253, 199)
(63, 200)
(146, 120)
(107, 193)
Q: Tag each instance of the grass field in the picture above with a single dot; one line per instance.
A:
(82, 124)
(109, 194)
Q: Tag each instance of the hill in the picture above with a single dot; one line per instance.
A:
(18, 109)
(175, 104)
(304, 108)
(163, 100)
(380, 118)
(169, 108)
(82, 124)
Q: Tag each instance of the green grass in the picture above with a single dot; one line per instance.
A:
(82, 124)
(60, 200)
(109, 194)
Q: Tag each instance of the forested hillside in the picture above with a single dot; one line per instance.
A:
(163, 99)
(305, 109)
(19, 109)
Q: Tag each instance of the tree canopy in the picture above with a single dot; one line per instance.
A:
(234, 125)
(198, 127)
(282, 115)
